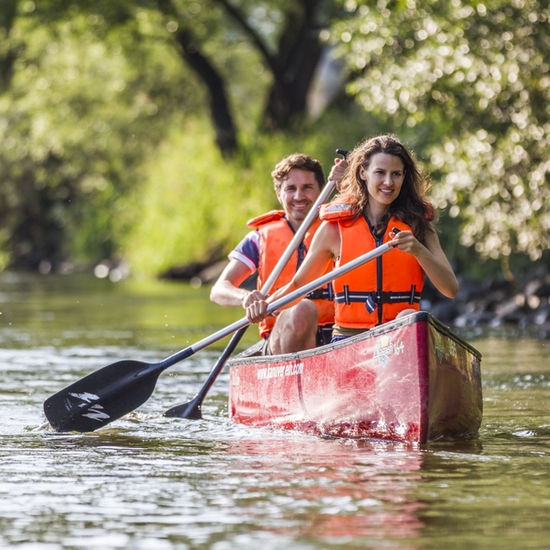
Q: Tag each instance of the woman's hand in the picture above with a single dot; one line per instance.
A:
(405, 241)
(431, 258)
(337, 172)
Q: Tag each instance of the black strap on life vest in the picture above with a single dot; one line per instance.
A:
(371, 299)
(324, 293)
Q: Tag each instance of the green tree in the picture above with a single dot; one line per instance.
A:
(231, 46)
(92, 86)
(470, 80)
(285, 38)
(77, 120)
(8, 50)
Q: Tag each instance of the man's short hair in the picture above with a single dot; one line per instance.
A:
(300, 161)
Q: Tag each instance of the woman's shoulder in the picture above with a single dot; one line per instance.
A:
(338, 211)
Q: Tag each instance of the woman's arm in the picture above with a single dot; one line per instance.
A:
(324, 249)
(432, 259)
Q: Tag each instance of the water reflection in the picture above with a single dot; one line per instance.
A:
(334, 489)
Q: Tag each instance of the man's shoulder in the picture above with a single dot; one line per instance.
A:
(264, 219)
(248, 250)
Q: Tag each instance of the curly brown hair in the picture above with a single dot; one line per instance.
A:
(300, 161)
(410, 206)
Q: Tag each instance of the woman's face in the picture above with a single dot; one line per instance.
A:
(384, 177)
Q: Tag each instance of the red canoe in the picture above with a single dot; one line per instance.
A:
(409, 380)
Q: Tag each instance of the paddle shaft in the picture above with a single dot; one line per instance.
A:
(281, 302)
(266, 288)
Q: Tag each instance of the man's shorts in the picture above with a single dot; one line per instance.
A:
(323, 337)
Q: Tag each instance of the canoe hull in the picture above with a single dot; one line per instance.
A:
(409, 380)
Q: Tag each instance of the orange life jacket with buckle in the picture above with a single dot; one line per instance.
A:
(377, 291)
(275, 236)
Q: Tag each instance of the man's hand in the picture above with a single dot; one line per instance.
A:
(257, 311)
(251, 297)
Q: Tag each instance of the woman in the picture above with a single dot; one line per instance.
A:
(382, 188)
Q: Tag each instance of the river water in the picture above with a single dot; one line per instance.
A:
(149, 482)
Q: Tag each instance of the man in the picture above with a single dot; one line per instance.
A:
(298, 180)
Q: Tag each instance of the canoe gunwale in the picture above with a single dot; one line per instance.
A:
(421, 316)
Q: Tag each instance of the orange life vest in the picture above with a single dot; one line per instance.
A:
(275, 235)
(377, 291)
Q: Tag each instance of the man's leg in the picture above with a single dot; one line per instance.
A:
(405, 312)
(295, 329)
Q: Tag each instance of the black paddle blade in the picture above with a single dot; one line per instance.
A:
(191, 410)
(102, 396)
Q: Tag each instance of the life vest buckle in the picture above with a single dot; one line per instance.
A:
(323, 293)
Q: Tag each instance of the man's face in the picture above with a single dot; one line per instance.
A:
(297, 195)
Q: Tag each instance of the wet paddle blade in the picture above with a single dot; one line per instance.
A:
(190, 410)
(101, 397)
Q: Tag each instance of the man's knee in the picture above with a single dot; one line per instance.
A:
(405, 312)
(302, 317)
(295, 329)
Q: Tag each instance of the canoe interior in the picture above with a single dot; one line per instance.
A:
(409, 380)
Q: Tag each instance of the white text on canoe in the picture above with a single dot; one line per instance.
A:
(292, 369)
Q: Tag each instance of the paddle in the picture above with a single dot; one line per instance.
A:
(192, 409)
(115, 390)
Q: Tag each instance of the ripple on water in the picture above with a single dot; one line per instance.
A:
(147, 481)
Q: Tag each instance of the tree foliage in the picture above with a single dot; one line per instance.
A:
(77, 120)
(91, 86)
(93, 91)
(472, 79)
(278, 41)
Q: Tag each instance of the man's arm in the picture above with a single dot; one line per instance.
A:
(226, 291)
(243, 262)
